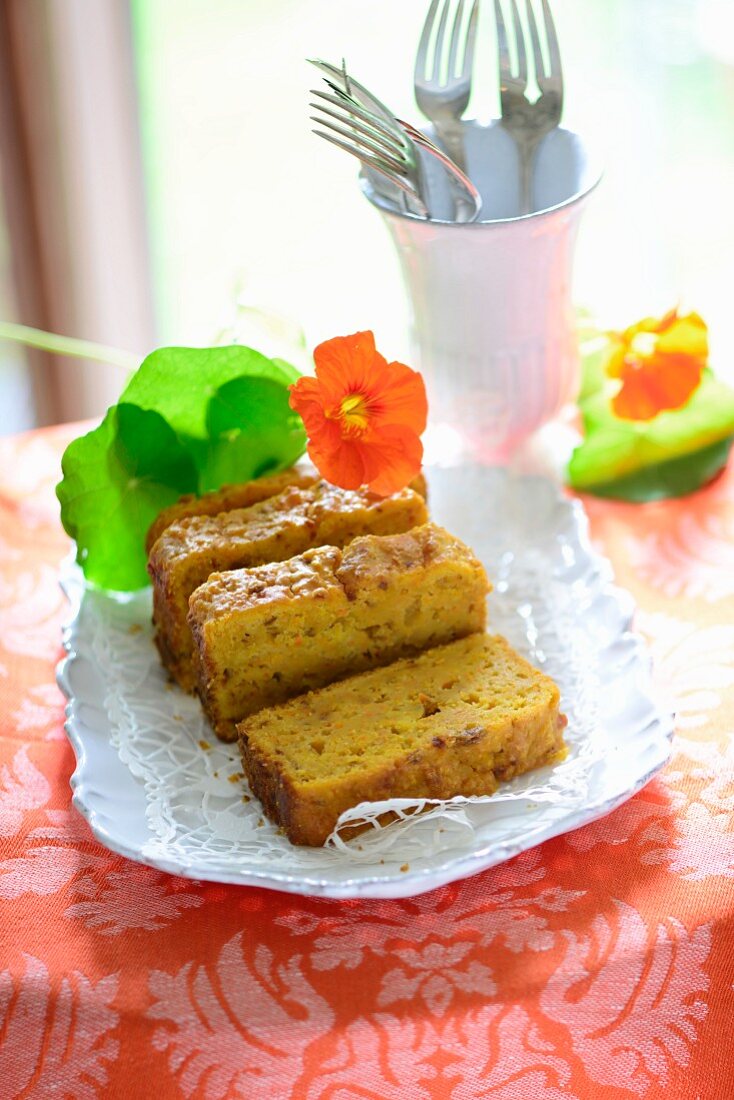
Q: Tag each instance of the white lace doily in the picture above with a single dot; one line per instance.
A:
(156, 784)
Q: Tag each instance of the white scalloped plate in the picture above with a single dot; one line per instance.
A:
(156, 786)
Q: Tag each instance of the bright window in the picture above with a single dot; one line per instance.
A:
(242, 194)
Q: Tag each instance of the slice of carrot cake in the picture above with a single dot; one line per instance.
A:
(227, 498)
(191, 549)
(263, 635)
(457, 720)
(243, 495)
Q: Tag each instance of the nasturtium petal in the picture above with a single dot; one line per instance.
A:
(117, 478)
(686, 335)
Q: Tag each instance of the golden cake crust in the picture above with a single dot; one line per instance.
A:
(263, 635)
(227, 498)
(191, 549)
(244, 495)
(456, 720)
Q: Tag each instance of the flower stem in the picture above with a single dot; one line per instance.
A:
(68, 345)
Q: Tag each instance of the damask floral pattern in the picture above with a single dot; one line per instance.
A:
(22, 788)
(630, 996)
(56, 1043)
(596, 967)
(259, 1020)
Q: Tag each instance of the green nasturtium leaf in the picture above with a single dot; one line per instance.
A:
(594, 376)
(189, 420)
(117, 478)
(240, 411)
(675, 478)
(179, 382)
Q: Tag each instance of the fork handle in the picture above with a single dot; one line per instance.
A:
(527, 145)
(451, 136)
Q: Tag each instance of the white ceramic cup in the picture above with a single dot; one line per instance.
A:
(493, 326)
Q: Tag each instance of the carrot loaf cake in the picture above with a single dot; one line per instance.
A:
(263, 635)
(227, 498)
(243, 495)
(456, 720)
(191, 549)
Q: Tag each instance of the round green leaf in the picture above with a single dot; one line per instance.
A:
(189, 420)
(251, 431)
(117, 479)
(179, 382)
(675, 478)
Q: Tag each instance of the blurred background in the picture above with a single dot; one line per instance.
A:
(159, 177)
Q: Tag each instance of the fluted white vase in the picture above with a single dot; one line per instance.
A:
(493, 325)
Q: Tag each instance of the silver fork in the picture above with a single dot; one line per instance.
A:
(442, 91)
(380, 147)
(528, 122)
(466, 199)
(347, 88)
(378, 134)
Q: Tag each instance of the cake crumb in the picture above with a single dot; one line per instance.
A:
(405, 867)
(430, 706)
(204, 745)
(235, 777)
(134, 628)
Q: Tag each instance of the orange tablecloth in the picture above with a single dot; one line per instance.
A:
(598, 965)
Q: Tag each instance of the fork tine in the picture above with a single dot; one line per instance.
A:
(359, 94)
(345, 77)
(421, 58)
(373, 163)
(503, 49)
(535, 41)
(440, 35)
(346, 98)
(344, 101)
(410, 129)
(364, 144)
(372, 135)
(364, 155)
(471, 37)
(358, 133)
(373, 132)
(522, 61)
(554, 52)
(455, 38)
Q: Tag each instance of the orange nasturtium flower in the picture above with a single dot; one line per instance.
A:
(660, 363)
(363, 415)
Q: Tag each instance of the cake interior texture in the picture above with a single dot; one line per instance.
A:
(456, 720)
(266, 634)
(191, 549)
